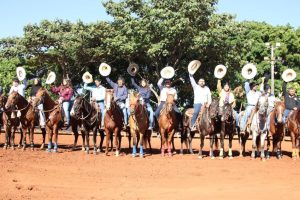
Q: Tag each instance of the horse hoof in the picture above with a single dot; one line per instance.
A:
(200, 157)
(263, 159)
(230, 157)
(98, 150)
(117, 154)
(221, 158)
(162, 155)
(42, 146)
(19, 146)
(32, 149)
(133, 155)
(48, 150)
(82, 149)
(95, 153)
(170, 154)
(141, 156)
(212, 157)
(54, 151)
(12, 148)
(174, 152)
(5, 147)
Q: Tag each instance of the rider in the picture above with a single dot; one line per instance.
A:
(98, 95)
(120, 95)
(252, 100)
(226, 97)
(165, 90)
(145, 92)
(291, 101)
(65, 92)
(17, 87)
(202, 96)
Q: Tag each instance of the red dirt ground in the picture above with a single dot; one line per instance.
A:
(75, 175)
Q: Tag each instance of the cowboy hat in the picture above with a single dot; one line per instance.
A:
(249, 71)
(132, 69)
(167, 72)
(220, 71)
(194, 66)
(21, 73)
(87, 77)
(104, 69)
(50, 78)
(288, 75)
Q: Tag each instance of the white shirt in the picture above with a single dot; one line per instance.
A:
(20, 89)
(98, 93)
(201, 94)
(164, 91)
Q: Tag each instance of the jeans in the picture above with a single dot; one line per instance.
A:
(42, 116)
(102, 108)
(236, 116)
(245, 117)
(66, 107)
(124, 110)
(151, 117)
(286, 115)
(197, 109)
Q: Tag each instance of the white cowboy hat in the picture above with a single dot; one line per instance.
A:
(194, 66)
(249, 71)
(21, 73)
(167, 72)
(104, 69)
(220, 71)
(288, 75)
(132, 69)
(51, 78)
(87, 77)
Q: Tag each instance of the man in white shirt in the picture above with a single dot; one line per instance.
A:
(98, 95)
(17, 87)
(202, 96)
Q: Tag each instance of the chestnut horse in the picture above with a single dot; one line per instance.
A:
(53, 115)
(138, 123)
(167, 123)
(276, 129)
(113, 121)
(26, 114)
(293, 125)
(90, 117)
(9, 124)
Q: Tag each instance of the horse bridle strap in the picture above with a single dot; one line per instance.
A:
(22, 108)
(45, 111)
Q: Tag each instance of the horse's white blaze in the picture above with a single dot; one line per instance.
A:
(107, 101)
(72, 109)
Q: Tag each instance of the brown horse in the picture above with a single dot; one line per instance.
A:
(276, 129)
(113, 121)
(53, 115)
(9, 124)
(27, 115)
(293, 125)
(138, 123)
(167, 123)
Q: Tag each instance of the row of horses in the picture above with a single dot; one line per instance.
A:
(87, 116)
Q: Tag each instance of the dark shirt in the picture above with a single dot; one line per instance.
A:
(289, 101)
(34, 89)
(145, 92)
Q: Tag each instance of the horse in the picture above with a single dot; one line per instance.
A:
(9, 124)
(167, 123)
(276, 129)
(113, 121)
(25, 112)
(293, 126)
(258, 127)
(53, 114)
(138, 123)
(90, 117)
(227, 128)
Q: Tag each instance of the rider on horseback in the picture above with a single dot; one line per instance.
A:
(291, 101)
(202, 96)
(226, 97)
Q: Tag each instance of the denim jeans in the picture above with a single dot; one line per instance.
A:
(236, 116)
(197, 109)
(42, 117)
(66, 107)
(151, 118)
(245, 117)
(102, 108)
(286, 114)
(124, 110)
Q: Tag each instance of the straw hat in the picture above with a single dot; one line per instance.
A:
(104, 69)
(220, 71)
(133, 69)
(249, 71)
(21, 73)
(87, 77)
(51, 78)
(288, 75)
(194, 66)
(167, 72)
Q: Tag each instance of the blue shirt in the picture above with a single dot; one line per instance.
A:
(120, 93)
(144, 92)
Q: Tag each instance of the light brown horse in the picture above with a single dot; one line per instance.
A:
(10, 125)
(27, 115)
(113, 121)
(53, 114)
(167, 123)
(293, 125)
(138, 123)
(276, 129)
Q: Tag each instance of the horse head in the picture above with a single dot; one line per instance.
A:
(76, 110)
(109, 97)
(227, 114)
(279, 111)
(170, 102)
(213, 109)
(262, 106)
(134, 98)
(12, 100)
(39, 97)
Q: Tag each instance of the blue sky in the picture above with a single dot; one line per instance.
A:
(14, 14)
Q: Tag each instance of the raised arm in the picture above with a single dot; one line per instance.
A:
(219, 86)
(159, 83)
(86, 87)
(134, 84)
(247, 86)
(193, 82)
(284, 92)
(111, 83)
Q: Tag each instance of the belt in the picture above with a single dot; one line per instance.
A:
(99, 101)
(250, 105)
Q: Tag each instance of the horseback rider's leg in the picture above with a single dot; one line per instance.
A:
(66, 107)
(42, 117)
(286, 115)
(245, 117)
(102, 109)
(124, 110)
(158, 109)
(236, 117)
(197, 108)
(150, 110)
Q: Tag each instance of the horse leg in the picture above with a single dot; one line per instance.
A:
(129, 140)
(75, 131)
(50, 132)
(134, 140)
(183, 139)
(83, 139)
(262, 145)
(211, 150)
(170, 141)
(202, 137)
(55, 131)
(163, 140)
(101, 140)
(12, 139)
(173, 144)
(141, 144)
(293, 138)
(190, 138)
(107, 142)
(21, 138)
(268, 146)
(31, 134)
(87, 138)
(222, 136)
(230, 145)
(95, 130)
(117, 141)
(44, 137)
(149, 134)
(254, 137)
(297, 147)
(7, 130)
(24, 139)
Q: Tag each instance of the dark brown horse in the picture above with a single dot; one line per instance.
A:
(53, 114)
(293, 124)
(113, 121)
(90, 117)
(10, 124)
(276, 129)
(138, 123)
(26, 114)
(167, 123)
